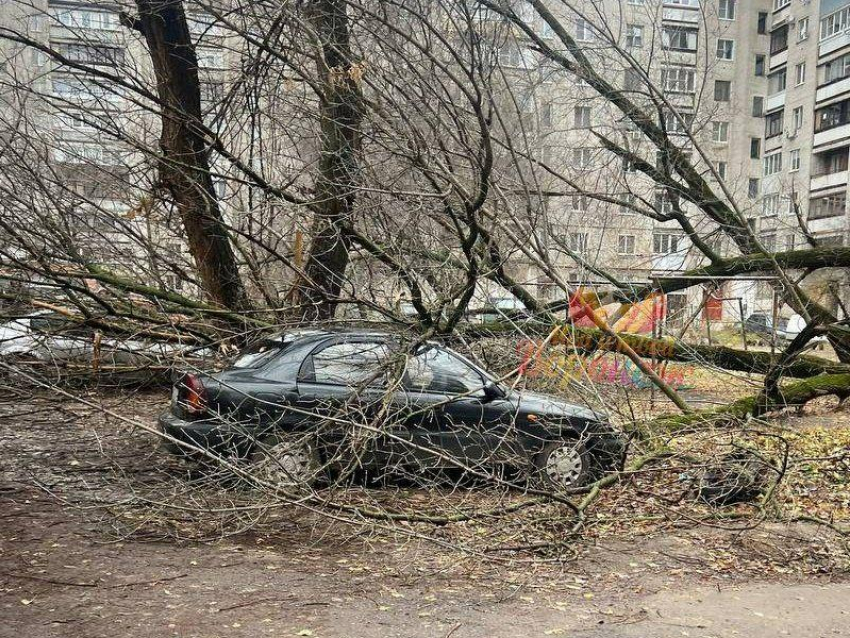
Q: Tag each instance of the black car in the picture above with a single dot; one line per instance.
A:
(305, 404)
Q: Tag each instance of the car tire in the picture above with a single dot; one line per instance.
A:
(286, 460)
(563, 465)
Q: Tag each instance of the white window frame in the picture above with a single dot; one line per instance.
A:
(772, 164)
(798, 118)
(634, 36)
(725, 49)
(626, 244)
(584, 31)
(800, 73)
(720, 131)
(803, 29)
(726, 10)
(794, 160)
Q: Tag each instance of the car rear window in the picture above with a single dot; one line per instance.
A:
(260, 353)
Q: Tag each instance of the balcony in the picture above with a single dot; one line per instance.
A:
(775, 101)
(689, 16)
(778, 59)
(832, 135)
(833, 89)
(828, 180)
(834, 43)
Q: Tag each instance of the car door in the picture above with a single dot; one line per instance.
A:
(450, 413)
(342, 384)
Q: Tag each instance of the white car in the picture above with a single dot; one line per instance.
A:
(795, 326)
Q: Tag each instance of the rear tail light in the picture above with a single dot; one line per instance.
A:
(192, 394)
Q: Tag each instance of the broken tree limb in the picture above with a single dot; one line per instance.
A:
(588, 340)
(788, 396)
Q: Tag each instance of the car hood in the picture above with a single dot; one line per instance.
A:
(548, 406)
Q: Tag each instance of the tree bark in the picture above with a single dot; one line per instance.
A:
(341, 111)
(184, 168)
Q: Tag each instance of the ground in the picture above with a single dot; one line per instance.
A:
(73, 562)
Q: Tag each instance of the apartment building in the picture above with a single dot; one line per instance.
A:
(763, 87)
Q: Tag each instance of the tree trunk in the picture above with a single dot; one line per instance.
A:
(184, 168)
(341, 117)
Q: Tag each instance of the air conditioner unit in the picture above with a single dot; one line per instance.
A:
(790, 134)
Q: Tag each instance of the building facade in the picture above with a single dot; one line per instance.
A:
(758, 92)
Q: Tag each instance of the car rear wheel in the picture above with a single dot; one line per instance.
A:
(286, 460)
(563, 464)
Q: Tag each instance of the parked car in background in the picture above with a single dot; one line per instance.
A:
(795, 326)
(761, 324)
(287, 405)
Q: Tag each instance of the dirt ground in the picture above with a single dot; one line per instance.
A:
(67, 568)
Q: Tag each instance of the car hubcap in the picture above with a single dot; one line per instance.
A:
(564, 465)
(288, 463)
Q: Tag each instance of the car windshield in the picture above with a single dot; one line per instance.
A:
(436, 370)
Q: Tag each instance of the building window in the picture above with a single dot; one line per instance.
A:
(760, 58)
(768, 240)
(665, 243)
(678, 79)
(753, 188)
(779, 40)
(800, 73)
(834, 161)
(582, 117)
(634, 36)
(722, 90)
(91, 54)
(762, 23)
(720, 131)
(776, 82)
(831, 116)
(677, 125)
(802, 29)
(578, 243)
(834, 23)
(755, 147)
(772, 164)
(798, 118)
(626, 244)
(758, 106)
(790, 242)
(678, 38)
(769, 208)
(779, 4)
(726, 10)
(721, 169)
(87, 19)
(513, 56)
(835, 70)
(725, 49)
(773, 124)
(582, 158)
(794, 159)
(829, 206)
(584, 31)
(578, 203)
(631, 80)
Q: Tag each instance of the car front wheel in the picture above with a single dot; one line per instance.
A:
(563, 465)
(286, 460)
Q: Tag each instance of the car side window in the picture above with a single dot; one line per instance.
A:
(350, 364)
(437, 370)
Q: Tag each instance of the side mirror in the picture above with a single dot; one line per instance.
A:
(493, 391)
